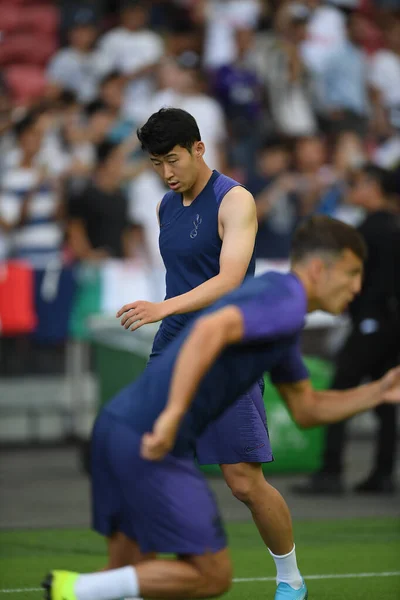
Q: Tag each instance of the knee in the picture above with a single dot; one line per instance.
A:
(220, 581)
(241, 488)
(215, 574)
(243, 481)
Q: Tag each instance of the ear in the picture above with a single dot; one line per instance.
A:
(315, 268)
(199, 149)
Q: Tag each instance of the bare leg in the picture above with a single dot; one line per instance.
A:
(203, 576)
(268, 508)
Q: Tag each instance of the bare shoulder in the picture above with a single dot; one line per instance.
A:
(238, 202)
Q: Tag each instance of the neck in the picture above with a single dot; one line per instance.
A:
(199, 185)
(301, 274)
(27, 161)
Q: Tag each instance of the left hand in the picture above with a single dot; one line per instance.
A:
(160, 441)
(390, 386)
(140, 313)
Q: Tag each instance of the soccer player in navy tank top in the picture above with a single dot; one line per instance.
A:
(207, 235)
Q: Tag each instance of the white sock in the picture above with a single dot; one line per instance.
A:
(287, 570)
(108, 585)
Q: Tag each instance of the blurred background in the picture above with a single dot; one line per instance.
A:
(291, 98)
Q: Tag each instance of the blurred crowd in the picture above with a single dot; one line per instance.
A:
(290, 98)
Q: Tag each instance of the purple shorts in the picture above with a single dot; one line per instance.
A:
(240, 434)
(166, 506)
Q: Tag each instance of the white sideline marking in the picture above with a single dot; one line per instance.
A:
(254, 579)
(336, 576)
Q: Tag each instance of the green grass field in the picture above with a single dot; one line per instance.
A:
(352, 548)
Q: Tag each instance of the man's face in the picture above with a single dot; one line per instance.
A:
(112, 93)
(31, 140)
(338, 281)
(364, 191)
(310, 153)
(113, 168)
(179, 168)
(274, 161)
(134, 18)
(82, 37)
(312, 4)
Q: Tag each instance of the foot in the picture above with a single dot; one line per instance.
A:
(285, 592)
(59, 585)
(376, 484)
(320, 484)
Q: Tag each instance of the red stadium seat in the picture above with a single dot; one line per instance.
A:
(31, 48)
(26, 82)
(43, 18)
(10, 18)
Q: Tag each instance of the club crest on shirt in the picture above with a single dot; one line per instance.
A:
(197, 222)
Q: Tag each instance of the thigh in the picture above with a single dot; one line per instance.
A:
(240, 435)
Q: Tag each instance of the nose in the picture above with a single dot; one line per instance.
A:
(167, 171)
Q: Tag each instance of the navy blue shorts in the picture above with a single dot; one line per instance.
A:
(166, 506)
(240, 434)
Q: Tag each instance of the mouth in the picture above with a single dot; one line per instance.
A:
(174, 185)
(348, 301)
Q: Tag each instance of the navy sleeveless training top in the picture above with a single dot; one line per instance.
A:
(190, 244)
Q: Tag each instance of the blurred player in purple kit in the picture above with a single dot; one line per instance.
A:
(147, 492)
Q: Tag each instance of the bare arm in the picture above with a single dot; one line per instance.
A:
(310, 408)
(208, 338)
(239, 223)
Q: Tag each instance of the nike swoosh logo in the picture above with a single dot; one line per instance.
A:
(251, 449)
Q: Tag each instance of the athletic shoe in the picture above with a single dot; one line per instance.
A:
(59, 585)
(285, 592)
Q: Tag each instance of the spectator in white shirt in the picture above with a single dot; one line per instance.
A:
(326, 33)
(326, 30)
(385, 80)
(30, 210)
(79, 67)
(134, 51)
(222, 18)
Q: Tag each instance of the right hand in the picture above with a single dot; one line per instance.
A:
(157, 444)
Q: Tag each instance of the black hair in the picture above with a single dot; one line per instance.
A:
(323, 235)
(94, 107)
(386, 180)
(167, 128)
(276, 142)
(112, 76)
(25, 123)
(131, 4)
(104, 151)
